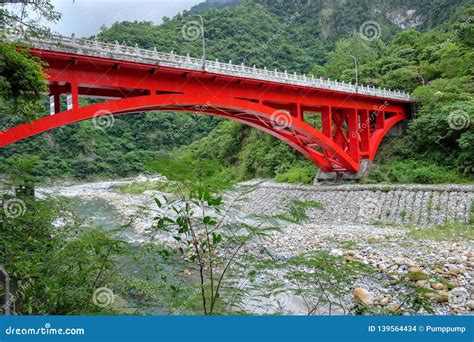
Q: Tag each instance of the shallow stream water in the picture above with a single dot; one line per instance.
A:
(98, 213)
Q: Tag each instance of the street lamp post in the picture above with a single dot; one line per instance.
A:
(357, 72)
(203, 42)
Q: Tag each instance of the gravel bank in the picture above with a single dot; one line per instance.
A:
(365, 223)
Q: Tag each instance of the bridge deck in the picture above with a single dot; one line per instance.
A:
(95, 48)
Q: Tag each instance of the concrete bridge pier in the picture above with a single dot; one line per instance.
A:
(364, 169)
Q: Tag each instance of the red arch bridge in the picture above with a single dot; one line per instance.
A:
(334, 124)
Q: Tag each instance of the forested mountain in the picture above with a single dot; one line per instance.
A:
(434, 59)
(208, 4)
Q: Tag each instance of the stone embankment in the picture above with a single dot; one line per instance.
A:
(372, 225)
(402, 204)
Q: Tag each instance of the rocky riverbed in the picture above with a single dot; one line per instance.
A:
(374, 226)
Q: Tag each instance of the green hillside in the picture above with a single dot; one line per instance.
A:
(434, 60)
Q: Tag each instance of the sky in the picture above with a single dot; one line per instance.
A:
(85, 17)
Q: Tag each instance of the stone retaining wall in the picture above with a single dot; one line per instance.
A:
(401, 204)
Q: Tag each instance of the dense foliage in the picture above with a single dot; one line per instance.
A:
(53, 270)
(434, 61)
(82, 150)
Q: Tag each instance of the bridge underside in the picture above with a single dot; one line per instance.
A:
(332, 129)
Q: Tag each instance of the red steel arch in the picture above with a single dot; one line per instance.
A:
(352, 125)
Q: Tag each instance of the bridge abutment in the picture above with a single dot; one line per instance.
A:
(364, 169)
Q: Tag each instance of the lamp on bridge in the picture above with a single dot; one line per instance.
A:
(203, 42)
(357, 72)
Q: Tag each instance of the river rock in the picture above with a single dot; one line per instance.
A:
(379, 298)
(453, 260)
(453, 270)
(430, 295)
(470, 304)
(414, 269)
(403, 268)
(437, 286)
(423, 283)
(393, 267)
(452, 284)
(442, 297)
(336, 252)
(362, 296)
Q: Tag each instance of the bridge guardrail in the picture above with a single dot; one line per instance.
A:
(96, 48)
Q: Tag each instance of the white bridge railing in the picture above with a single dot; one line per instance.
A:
(135, 54)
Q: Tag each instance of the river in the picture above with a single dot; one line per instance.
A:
(386, 247)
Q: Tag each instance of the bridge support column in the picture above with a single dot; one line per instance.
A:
(364, 132)
(73, 96)
(54, 103)
(339, 118)
(380, 120)
(295, 111)
(364, 169)
(54, 99)
(326, 121)
(353, 133)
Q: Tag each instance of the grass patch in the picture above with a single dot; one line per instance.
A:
(450, 231)
(347, 244)
(415, 276)
(416, 171)
(344, 244)
(379, 223)
(372, 240)
(302, 173)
